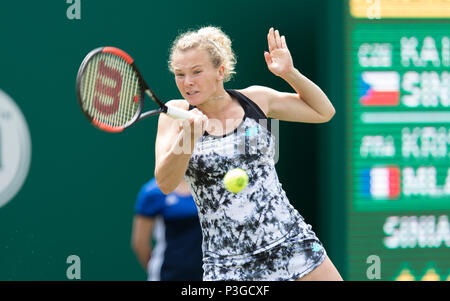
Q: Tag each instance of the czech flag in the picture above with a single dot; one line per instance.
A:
(381, 183)
(379, 88)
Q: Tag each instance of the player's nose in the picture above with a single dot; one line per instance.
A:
(188, 81)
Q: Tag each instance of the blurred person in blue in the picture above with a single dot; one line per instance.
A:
(166, 235)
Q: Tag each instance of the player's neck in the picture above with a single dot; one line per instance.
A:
(217, 104)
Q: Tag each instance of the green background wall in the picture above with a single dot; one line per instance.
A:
(79, 194)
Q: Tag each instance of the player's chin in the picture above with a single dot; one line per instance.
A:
(194, 99)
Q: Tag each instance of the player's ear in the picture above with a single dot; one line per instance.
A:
(221, 72)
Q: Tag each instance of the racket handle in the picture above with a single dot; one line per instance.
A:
(177, 113)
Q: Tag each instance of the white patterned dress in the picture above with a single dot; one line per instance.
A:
(255, 234)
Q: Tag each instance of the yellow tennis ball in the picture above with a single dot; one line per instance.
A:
(235, 180)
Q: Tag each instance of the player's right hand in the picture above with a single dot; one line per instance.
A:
(196, 125)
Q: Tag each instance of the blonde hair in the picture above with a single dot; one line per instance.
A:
(214, 41)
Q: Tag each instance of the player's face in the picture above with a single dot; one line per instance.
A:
(196, 77)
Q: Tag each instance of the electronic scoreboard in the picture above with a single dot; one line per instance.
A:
(397, 58)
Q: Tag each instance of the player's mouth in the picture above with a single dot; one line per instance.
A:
(192, 93)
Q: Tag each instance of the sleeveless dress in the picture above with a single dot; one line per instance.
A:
(255, 234)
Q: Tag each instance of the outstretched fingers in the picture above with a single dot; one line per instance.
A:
(275, 41)
(271, 40)
(283, 42)
(268, 58)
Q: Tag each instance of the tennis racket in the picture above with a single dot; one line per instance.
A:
(111, 91)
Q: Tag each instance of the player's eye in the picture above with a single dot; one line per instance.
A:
(197, 71)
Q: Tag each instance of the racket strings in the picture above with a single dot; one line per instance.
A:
(110, 90)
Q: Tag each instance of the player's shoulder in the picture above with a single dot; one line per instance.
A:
(260, 95)
(257, 89)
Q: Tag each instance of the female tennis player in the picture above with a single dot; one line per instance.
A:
(255, 234)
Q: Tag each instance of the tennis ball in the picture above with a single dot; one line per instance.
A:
(235, 180)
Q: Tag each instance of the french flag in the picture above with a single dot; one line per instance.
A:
(381, 183)
(379, 88)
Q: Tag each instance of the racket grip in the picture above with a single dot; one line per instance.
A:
(177, 113)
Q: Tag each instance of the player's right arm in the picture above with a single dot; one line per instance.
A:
(174, 145)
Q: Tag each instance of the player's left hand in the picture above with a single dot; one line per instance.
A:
(278, 59)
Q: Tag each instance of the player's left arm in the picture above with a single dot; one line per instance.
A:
(309, 103)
